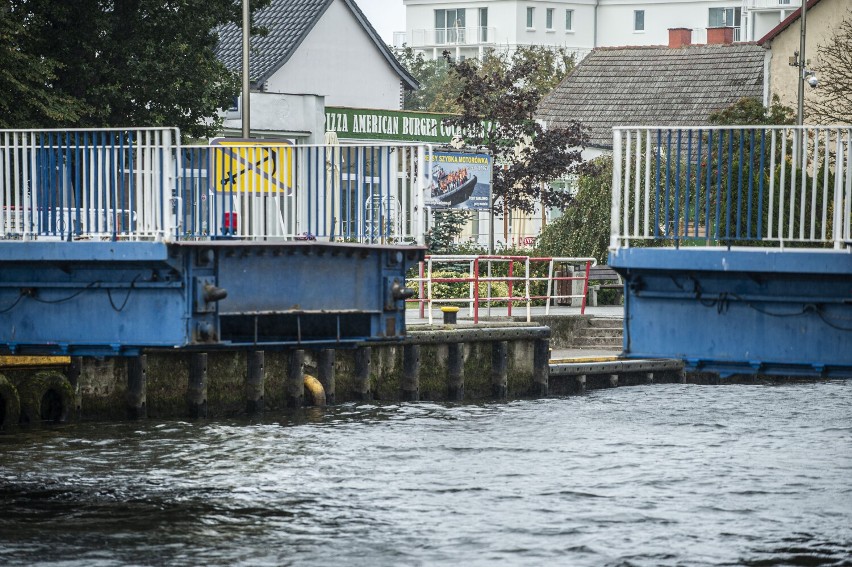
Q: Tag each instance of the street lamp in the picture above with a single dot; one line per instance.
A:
(245, 96)
(800, 113)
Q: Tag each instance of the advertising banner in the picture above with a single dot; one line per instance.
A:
(459, 180)
(391, 125)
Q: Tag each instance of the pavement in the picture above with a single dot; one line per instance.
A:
(500, 314)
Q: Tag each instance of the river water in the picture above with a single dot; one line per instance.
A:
(651, 475)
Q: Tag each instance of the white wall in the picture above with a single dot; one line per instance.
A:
(616, 19)
(280, 116)
(507, 21)
(339, 61)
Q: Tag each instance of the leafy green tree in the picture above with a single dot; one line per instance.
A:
(24, 100)
(440, 86)
(583, 230)
(446, 227)
(750, 111)
(498, 99)
(127, 62)
(436, 92)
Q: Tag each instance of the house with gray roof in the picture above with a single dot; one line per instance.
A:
(679, 84)
(321, 48)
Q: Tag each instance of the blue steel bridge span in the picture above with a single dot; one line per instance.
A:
(734, 245)
(116, 241)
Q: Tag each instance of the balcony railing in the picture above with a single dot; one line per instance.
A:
(473, 36)
(771, 4)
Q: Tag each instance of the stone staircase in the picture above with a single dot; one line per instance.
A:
(601, 333)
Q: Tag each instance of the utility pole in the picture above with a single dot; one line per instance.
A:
(800, 114)
(245, 96)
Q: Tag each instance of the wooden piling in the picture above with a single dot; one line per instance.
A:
(410, 385)
(255, 378)
(196, 391)
(295, 389)
(500, 369)
(75, 369)
(362, 374)
(136, 398)
(541, 367)
(455, 372)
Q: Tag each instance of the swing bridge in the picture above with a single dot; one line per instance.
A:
(117, 240)
(735, 245)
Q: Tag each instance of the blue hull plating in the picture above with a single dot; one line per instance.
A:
(739, 311)
(118, 298)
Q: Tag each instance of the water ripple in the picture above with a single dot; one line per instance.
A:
(662, 475)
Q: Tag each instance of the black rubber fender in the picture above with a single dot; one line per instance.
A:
(10, 404)
(46, 396)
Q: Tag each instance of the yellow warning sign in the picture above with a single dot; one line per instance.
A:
(254, 166)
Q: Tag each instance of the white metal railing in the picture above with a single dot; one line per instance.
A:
(263, 190)
(473, 35)
(771, 4)
(92, 183)
(732, 185)
(141, 184)
(527, 279)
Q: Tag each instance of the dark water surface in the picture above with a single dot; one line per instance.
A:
(654, 475)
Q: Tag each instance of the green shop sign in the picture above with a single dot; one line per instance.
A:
(390, 125)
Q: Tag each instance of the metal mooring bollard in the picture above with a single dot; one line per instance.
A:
(450, 314)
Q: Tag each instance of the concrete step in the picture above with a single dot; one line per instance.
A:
(600, 342)
(594, 347)
(601, 332)
(607, 322)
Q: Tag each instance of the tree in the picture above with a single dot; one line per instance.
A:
(834, 68)
(498, 99)
(583, 231)
(750, 111)
(437, 90)
(24, 100)
(126, 63)
(447, 226)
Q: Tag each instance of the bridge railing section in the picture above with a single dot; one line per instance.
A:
(732, 185)
(268, 190)
(141, 184)
(67, 184)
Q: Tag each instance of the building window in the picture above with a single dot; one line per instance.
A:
(449, 26)
(483, 25)
(638, 20)
(548, 19)
(725, 17)
(569, 20)
(530, 17)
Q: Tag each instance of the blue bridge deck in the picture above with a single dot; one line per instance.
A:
(108, 298)
(734, 247)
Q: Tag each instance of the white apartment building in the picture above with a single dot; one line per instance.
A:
(467, 28)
